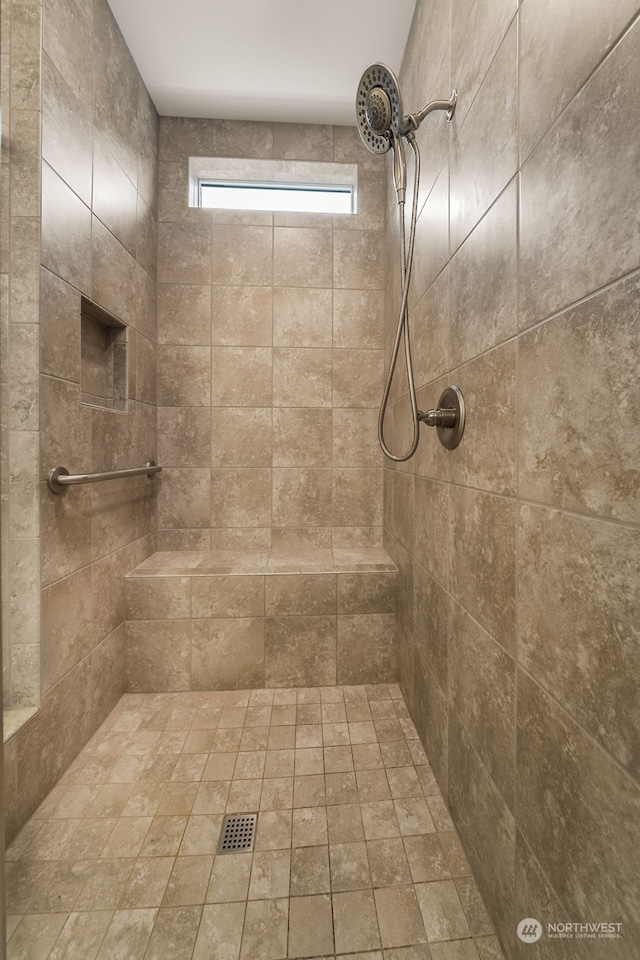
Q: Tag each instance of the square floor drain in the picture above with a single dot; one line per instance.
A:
(238, 833)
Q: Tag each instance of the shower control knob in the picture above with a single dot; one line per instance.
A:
(448, 417)
(439, 417)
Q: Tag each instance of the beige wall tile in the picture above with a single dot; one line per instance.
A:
(227, 654)
(184, 376)
(242, 138)
(367, 592)
(584, 787)
(483, 282)
(301, 497)
(355, 438)
(301, 437)
(174, 195)
(148, 143)
(107, 675)
(158, 655)
(59, 328)
(432, 617)
(115, 117)
(146, 237)
(113, 516)
(357, 496)
(67, 634)
(474, 798)
(115, 197)
(184, 314)
(65, 426)
(241, 436)
(182, 137)
(579, 642)
(488, 385)
(300, 651)
(240, 497)
(370, 212)
(24, 413)
(302, 141)
(367, 648)
(568, 370)
(358, 261)
(482, 694)
(184, 498)
(430, 712)
(107, 591)
(483, 556)
(242, 255)
(302, 317)
(302, 257)
(65, 530)
(184, 253)
(157, 598)
(552, 69)
(66, 232)
(239, 596)
(597, 244)
(66, 709)
(297, 595)
(480, 170)
(68, 41)
(244, 376)
(432, 237)
(430, 333)
(114, 278)
(242, 316)
(432, 516)
(473, 51)
(357, 319)
(357, 378)
(184, 436)
(25, 59)
(302, 377)
(66, 132)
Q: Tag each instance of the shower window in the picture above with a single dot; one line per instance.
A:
(285, 197)
(290, 186)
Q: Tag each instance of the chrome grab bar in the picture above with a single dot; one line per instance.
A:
(60, 478)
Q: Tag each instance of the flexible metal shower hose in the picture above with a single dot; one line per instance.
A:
(406, 259)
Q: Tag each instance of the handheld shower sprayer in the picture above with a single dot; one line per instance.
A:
(383, 126)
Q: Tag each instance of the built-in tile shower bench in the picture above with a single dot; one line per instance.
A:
(241, 619)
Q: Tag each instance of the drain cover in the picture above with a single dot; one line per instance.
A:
(238, 833)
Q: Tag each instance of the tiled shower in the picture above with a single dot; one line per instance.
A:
(255, 352)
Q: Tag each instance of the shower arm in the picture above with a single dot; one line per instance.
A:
(413, 121)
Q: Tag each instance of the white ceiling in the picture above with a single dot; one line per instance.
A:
(288, 60)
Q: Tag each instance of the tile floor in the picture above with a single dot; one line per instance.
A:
(355, 853)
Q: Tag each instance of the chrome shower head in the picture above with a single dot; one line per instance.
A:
(378, 108)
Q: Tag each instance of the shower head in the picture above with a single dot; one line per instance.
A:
(381, 124)
(379, 108)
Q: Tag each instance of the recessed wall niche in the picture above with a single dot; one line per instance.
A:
(103, 358)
